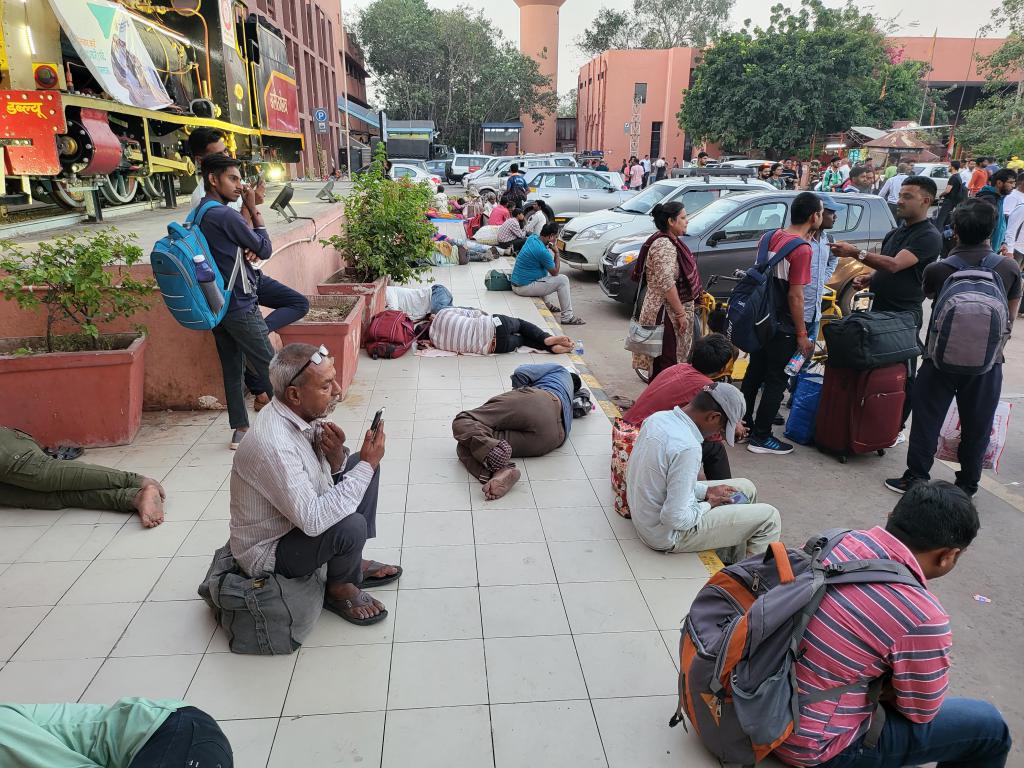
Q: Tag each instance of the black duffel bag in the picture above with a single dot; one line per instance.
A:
(866, 340)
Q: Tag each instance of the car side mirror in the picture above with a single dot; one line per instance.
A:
(610, 189)
(716, 238)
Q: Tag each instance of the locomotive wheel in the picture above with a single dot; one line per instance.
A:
(64, 197)
(119, 189)
(150, 188)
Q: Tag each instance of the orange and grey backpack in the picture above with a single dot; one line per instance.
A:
(740, 643)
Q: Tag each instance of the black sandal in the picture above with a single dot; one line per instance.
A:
(379, 581)
(363, 598)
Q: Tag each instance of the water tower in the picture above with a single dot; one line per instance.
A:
(538, 39)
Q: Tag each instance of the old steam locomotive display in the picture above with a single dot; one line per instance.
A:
(101, 95)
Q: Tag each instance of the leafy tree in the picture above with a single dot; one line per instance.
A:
(994, 126)
(808, 73)
(567, 103)
(656, 24)
(452, 67)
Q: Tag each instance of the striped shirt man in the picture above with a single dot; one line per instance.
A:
(457, 329)
(862, 632)
(279, 482)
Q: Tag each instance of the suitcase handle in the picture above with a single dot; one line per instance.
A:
(867, 296)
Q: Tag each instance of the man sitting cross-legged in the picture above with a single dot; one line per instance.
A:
(299, 499)
(531, 420)
(671, 510)
(31, 479)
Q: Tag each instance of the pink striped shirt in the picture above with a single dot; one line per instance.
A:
(861, 632)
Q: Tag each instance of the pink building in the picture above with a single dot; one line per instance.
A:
(607, 85)
(538, 39)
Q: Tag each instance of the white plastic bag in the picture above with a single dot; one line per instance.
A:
(949, 436)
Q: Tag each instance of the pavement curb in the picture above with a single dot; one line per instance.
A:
(708, 558)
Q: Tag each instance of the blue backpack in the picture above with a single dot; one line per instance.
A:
(175, 273)
(751, 313)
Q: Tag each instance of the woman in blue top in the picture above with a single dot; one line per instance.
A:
(536, 273)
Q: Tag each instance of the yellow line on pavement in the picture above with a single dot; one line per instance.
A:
(994, 487)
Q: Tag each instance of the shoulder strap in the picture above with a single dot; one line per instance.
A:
(991, 261)
(195, 217)
(782, 253)
(869, 571)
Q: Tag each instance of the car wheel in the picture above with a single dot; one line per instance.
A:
(846, 299)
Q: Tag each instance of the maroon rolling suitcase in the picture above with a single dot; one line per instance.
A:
(860, 411)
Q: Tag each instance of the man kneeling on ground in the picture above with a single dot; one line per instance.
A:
(531, 420)
(899, 634)
(473, 331)
(30, 479)
(299, 499)
(671, 510)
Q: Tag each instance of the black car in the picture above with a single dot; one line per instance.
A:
(724, 237)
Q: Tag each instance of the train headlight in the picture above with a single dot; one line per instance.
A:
(275, 173)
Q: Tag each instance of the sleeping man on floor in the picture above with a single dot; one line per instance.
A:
(531, 420)
(473, 331)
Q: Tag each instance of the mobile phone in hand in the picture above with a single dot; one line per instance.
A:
(378, 417)
(739, 498)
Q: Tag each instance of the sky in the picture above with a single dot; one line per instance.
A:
(952, 18)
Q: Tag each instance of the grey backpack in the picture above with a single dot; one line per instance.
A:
(970, 322)
(740, 643)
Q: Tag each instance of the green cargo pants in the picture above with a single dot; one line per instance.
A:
(31, 479)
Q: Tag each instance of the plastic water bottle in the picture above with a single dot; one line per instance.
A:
(579, 347)
(796, 362)
(208, 282)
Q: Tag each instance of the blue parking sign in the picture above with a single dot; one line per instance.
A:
(320, 115)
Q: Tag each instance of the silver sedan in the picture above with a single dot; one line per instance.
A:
(572, 192)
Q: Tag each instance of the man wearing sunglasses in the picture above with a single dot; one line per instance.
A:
(300, 499)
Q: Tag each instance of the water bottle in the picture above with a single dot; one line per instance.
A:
(208, 282)
(579, 347)
(796, 362)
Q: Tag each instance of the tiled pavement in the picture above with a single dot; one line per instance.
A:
(531, 631)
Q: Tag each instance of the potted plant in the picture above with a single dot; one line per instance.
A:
(387, 236)
(336, 322)
(75, 384)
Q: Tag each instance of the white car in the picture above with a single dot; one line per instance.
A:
(744, 163)
(411, 172)
(584, 239)
(937, 172)
(487, 168)
(458, 166)
(496, 179)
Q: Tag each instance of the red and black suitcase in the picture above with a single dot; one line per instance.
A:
(860, 411)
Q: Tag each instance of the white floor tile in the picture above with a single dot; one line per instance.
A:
(428, 567)
(115, 581)
(522, 611)
(507, 526)
(533, 669)
(589, 561)
(181, 580)
(606, 606)
(331, 629)
(575, 524)
(622, 526)
(446, 737)
(37, 583)
(437, 674)
(188, 505)
(439, 497)
(150, 677)
(391, 498)
(17, 539)
(44, 682)
(564, 493)
(670, 599)
(437, 428)
(166, 628)
(546, 734)
(11, 517)
(329, 741)
(205, 477)
(251, 740)
(438, 614)
(16, 624)
(439, 468)
(136, 541)
(389, 530)
(634, 733)
(513, 564)
(229, 686)
(338, 679)
(648, 564)
(435, 529)
(626, 664)
(219, 507)
(566, 467)
(205, 538)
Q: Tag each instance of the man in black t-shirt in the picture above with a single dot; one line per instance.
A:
(899, 265)
(976, 396)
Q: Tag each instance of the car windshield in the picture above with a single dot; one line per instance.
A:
(707, 217)
(646, 200)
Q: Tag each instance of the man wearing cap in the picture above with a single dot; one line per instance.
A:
(823, 263)
(673, 511)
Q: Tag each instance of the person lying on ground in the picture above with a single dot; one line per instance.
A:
(30, 479)
(474, 332)
(418, 301)
(675, 386)
(672, 511)
(132, 732)
(536, 274)
(533, 419)
(299, 499)
(898, 634)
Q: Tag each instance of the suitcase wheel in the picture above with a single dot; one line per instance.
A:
(881, 451)
(842, 459)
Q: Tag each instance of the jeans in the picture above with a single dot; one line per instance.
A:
(289, 306)
(767, 370)
(242, 340)
(514, 333)
(440, 298)
(189, 737)
(545, 287)
(977, 398)
(32, 480)
(340, 546)
(965, 734)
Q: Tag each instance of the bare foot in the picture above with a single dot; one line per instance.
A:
(150, 506)
(501, 482)
(561, 349)
(150, 481)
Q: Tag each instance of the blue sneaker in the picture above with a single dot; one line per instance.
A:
(770, 444)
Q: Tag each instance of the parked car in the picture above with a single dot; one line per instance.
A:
(572, 192)
(459, 165)
(414, 173)
(485, 169)
(584, 239)
(437, 168)
(494, 180)
(937, 172)
(724, 237)
(421, 164)
(742, 163)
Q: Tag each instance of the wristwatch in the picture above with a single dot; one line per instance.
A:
(862, 254)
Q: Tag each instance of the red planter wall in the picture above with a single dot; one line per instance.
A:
(342, 338)
(375, 294)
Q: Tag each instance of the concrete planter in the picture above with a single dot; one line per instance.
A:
(341, 337)
(340, 283)
(90, 399)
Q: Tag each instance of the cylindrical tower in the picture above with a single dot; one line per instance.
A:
(538, 39)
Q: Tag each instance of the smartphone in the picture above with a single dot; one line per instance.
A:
(378, 417)
(256, 180)
(739, 498)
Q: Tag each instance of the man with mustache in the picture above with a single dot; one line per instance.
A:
(299, 499)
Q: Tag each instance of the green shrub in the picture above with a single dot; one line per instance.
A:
(386, 227)
(83, 279)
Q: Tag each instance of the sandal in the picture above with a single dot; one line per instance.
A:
(553, 309)
(363, 598)
(379, 581)
(258, 405)
(574, 320)
(64, 452)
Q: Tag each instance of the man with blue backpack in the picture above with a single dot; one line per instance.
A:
(975, 297)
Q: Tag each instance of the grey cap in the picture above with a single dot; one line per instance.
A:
(731, 401)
